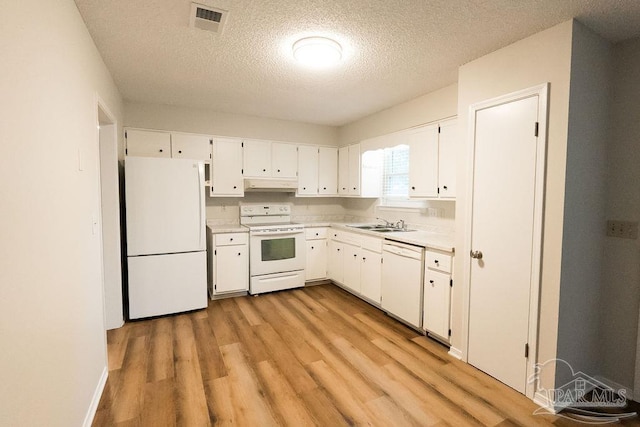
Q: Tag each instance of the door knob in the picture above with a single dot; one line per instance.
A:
(476, 254)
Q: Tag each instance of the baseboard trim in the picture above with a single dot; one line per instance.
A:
(95, 400)
(455, 352)
(542, 400)
(616, 386)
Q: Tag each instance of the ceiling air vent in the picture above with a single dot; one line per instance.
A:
(207, 18)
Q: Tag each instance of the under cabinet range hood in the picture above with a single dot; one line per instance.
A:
(275, 185)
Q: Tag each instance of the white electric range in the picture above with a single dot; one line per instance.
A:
(276, 247)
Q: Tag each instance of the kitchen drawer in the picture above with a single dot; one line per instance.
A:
(373, 244)
(316, 233)
(226, 239)
(440, 261)
(345, 237)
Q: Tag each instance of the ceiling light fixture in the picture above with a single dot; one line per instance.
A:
(317, 52)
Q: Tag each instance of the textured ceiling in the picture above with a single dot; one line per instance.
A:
(394, 50)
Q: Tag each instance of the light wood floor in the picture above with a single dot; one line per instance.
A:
(314, 356)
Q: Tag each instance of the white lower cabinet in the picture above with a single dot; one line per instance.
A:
(371, 275)
(351, 278)
(354, 262)
(317, 252)
(335, 261)
(228, 255)
(437, 293)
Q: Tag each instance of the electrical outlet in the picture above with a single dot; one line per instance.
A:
(623, 229)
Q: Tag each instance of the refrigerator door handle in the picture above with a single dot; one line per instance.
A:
(202, 203)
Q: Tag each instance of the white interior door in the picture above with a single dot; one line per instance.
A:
(502, 229)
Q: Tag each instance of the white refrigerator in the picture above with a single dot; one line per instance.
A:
(166, 246)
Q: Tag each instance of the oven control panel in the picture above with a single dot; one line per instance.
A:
(265, 210)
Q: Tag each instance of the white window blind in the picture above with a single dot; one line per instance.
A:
(395, 178)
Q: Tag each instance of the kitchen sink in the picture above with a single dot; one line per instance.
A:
(379, 228)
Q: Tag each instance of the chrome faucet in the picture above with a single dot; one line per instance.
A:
(400, 224)
(386, 223)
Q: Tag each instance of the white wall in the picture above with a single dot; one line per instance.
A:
(543, 57)
(174, 118)
(584, 205)
(427, 108)
(621, 276)
(53, 337)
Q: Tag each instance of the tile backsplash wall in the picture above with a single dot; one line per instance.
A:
(437, 217)
(304, 209)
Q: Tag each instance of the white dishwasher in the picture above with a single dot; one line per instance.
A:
(402, 274)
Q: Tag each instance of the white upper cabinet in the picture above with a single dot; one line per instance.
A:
(349, 170)
(266, 159)
(423, 161)
(343, 171)
(226, 168)
(256, 156)
(327, 171)
(317, 171)
(308, 170)
(354, 170)
(432, 162)
(284, 160)
(146, 143)
(191, 146)
(447, 159)
(150, 143)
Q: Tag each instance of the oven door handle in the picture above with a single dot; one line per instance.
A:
(277, 233)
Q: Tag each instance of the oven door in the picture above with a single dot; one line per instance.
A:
(276, 251)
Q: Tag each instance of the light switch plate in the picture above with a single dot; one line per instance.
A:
(622, 229)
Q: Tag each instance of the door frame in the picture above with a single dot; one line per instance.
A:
(103, 110)
(534, 301)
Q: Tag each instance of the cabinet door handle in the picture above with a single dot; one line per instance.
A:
(311, 247)
(364, 258)
(264, 170)
(476, 254)
(355, 255)
(179, 151)
(278, 170)
(444, 186)
(413, 188)
(161, 150)
(324, 188)
(239, 253)
(234, 187)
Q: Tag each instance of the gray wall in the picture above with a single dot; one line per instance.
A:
(584, 204)
(621, 270)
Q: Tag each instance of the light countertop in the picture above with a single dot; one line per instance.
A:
(426, 239)
(226, 228)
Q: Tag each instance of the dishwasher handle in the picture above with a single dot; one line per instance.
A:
(403, 251)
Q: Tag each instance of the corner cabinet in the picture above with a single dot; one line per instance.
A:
(432, 163)
(226, 168)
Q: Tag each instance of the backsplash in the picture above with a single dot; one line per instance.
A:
(437, 217)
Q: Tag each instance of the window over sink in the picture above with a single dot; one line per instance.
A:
(395, 178)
